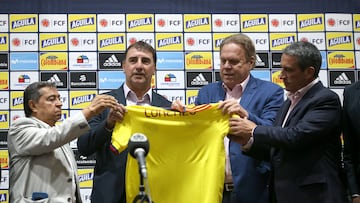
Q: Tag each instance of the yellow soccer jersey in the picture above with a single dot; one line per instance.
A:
(186, 160)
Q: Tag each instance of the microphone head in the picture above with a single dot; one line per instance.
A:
(136, 141)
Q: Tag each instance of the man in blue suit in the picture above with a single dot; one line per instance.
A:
(305, 139)
(109, 173)
(246, 178)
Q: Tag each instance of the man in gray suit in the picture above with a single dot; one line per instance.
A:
(42, 164)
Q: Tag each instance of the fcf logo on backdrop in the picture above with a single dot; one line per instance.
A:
(24, 42)
(282, 22)
(111, 22)
(52, 22)
(225, 23)
(198, 41)
(168, 23)
(338, 22)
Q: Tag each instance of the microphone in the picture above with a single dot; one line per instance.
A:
(138, 148)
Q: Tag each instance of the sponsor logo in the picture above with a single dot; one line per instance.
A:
(197, 22)
(310, 22)
(196, 79)
(83, 80)
(139, 22)
(23, 22)
(111, 41)
(169, 41)
(53, 41)
(82, 22)
(283, 41)
(82, 99)
(339, 40)
(342, 79)
(254, 22)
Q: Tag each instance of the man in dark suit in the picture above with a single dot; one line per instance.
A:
(246, 178)
(109, 174)
(305, 139)
(351, 133)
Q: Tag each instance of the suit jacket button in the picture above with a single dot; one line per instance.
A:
(69, 180)
(69, 199)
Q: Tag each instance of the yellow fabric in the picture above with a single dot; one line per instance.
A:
(186, 159)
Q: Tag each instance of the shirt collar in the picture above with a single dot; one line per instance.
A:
(131, 96)
(301, 92)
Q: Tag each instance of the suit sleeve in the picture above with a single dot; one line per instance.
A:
(271, 107)
(97, 137)
(28, 138)
(318, 119)
(350, 149)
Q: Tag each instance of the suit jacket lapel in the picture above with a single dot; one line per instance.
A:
(248, 93)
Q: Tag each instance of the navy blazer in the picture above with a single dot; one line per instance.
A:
(351, 134)
(109, 172)
(261, 99)
(306, 153)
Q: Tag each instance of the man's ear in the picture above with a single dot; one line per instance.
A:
(32, 105)
(310, 71)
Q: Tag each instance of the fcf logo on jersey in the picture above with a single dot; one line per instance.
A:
(24, 42)
(171, 41)
(23, 23)
(225, 23)
(53, 42)
(197, 23)
(338, 22)
(140, 23)
(310, 22)
(339, 41)
(111, 22)
(111, 42)
(168, 23)
(82, 23)
(254, 23)
(53, 22)
(281, 40)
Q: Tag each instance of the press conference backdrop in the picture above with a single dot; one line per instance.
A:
(80, 45)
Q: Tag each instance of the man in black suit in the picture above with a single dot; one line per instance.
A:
(351, 133)
(304, 143)
(109, 174)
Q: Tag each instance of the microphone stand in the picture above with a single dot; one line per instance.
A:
(142, 197)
